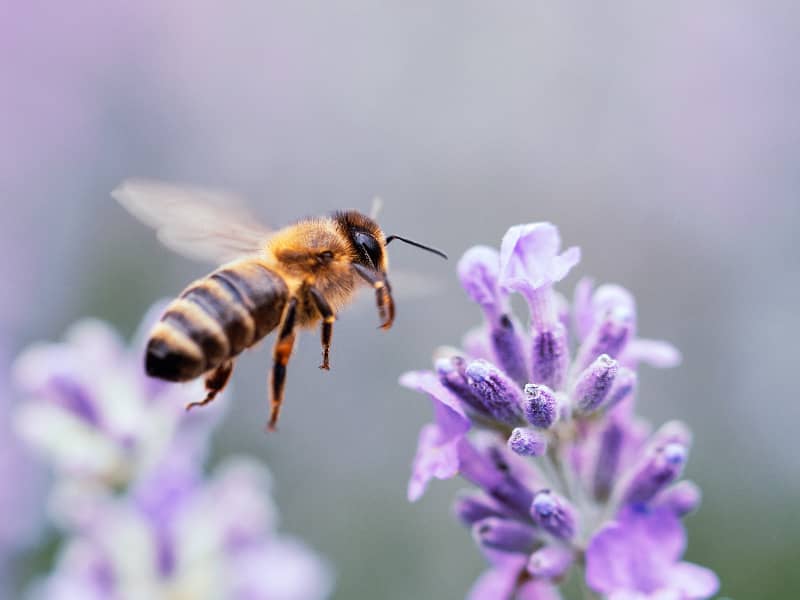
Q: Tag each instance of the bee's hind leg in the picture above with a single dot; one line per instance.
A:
(216, 381)
(280, 356)
(328, 319)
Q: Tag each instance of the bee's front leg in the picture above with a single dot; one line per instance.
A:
(328, 319)
(383, 293)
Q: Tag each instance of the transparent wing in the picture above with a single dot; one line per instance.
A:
(198, 223)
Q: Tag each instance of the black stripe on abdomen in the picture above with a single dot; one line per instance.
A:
(226, 308)
(261, 291)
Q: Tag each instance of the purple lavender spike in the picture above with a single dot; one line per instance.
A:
(594, 383)
(508, 348)
(660, 468)
(550, 562)
(609, 336)
(554, 514)
(540, 406)
(472, 507)
(505, 535)
(550, 356)
(500, 395)
(526, 441)
(682, 498)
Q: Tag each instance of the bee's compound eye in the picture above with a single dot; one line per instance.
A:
(370, 247)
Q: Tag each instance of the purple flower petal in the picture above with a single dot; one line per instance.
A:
(639, 553)
(433, 459)
(449, 413)
(655, 353)
(499, 582)
(529, 258)
(693, 581)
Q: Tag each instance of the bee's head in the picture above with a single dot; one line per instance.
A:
(368, 241)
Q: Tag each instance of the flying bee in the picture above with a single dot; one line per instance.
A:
(283, 279)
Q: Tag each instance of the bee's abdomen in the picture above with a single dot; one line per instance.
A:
(215, 319)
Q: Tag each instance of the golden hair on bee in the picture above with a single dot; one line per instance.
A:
(285, 279)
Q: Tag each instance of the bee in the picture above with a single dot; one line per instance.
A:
(285, 279)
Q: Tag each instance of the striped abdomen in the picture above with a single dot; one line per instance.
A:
(214, 319)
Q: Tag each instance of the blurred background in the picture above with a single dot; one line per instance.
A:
(662, 139)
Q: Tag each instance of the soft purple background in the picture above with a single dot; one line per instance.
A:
(662, 139)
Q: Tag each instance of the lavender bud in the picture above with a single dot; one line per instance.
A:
(608, 456)
(492, 473)
(623, 388)
(501, 397)
(478, 271)
(505, 535)
(540, 405)
(526, 441)
(609, 336)
(594, 383)
(554, 514)
(471, 507)
(550, 562)
(452, 375)
(550, 356)
(657, 471)
(507, 346)
(683, 498)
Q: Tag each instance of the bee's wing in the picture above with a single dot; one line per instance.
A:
(198, 223)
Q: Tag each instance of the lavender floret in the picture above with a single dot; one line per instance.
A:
(527, 442)
(594, 383)
(540, 406)
(505, 535)
(501, 397)
(554, 514)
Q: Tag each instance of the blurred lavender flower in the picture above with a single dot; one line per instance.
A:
(568, 476)
(177, 536)
(138, 516)
(94, 414)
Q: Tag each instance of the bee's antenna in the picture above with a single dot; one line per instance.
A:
(417, 244)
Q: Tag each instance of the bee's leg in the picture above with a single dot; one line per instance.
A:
(280, 357)
(383, 293)
(327, 325)
(216, 381)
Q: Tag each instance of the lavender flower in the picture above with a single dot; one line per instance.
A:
(568, 476)
(93, 413)
(138, 517)
(179, 536)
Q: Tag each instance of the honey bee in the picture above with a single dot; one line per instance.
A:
(283, 279)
